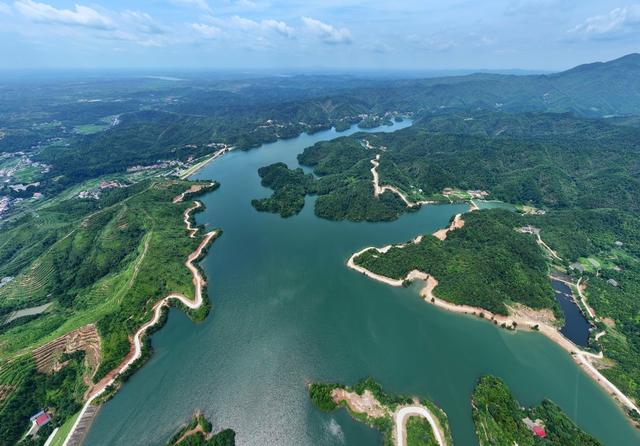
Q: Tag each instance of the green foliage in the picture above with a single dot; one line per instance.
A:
(344, 188)
(497, 415)
(320, 394)
(486, 263)
(290, 187)
(60, 392)
(101, 261)
(499, 419)
(584, 233)
(187, 436)
(390, 401)
(419, 432)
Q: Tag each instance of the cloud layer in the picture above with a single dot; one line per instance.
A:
(332, 33)
(80, 16)
(619, 22)
(327, 33)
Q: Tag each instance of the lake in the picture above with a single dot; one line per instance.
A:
(287, 311)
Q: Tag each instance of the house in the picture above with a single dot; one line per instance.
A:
(535, 426)
(539, 431)
(37, 421)
(41, 418)
(613, 282)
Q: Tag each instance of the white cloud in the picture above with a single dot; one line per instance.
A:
(279, 27)
(207, 31)
(618, 22)
(143, 22)
(80, 16)
(327, 33)
(242, 25)
(200, 4)
(4, 8)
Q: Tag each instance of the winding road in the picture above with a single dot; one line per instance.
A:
(401, 422)
(379, 190)
(87, 412)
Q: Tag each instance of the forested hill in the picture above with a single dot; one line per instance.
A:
(594, 90)
(545, 159)
(113, 125)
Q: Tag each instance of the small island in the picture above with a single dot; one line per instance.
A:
(501, 421)
(199, 432)
(401, 420)
(289, 189)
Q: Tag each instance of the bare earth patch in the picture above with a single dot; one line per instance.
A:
(365, 403)
(520, 311)
(47, 357)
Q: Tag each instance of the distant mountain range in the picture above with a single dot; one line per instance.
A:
(595, 90)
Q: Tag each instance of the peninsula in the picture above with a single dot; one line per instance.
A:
(401, 420)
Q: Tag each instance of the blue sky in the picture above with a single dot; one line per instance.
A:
(316, 34)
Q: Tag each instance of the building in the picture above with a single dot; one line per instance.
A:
(37, 421)
(613, 282)
(539, 431)
(535, 426)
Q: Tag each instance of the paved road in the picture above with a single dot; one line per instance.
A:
(406, 412)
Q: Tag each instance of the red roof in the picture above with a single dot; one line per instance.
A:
(539, 431)
(42, 419)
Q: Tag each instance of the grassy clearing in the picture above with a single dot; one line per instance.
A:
(419, 432)
(89, 129)
(64, 430)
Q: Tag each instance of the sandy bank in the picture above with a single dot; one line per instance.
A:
(517, 319)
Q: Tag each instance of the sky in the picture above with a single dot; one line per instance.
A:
(315, 34)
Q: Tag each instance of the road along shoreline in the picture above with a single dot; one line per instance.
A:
(198, 166)
(582, 358)
(401, 416)
(137, 341)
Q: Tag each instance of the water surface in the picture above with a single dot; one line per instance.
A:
(576, 326)
(286, 311)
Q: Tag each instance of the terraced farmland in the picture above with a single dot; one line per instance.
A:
(103, 264)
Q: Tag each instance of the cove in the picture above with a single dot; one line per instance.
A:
(287, 311)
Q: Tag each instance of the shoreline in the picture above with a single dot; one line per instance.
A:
(135, 351)
(579, 356)
(200, 165)
(368, 404)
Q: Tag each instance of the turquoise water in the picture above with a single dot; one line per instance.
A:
(287, 311)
